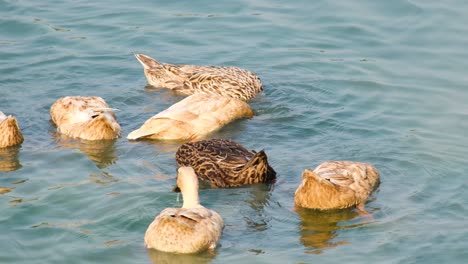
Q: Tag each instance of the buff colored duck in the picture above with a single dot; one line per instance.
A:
(85, 117)
(189, 79)
(190, 229)
(193, 117)
(337, 185)
(10, 133)
(224, 163)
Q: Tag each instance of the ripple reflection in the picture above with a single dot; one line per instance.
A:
(101, 152)
(318, 229)
(9, 158)
(160, 257)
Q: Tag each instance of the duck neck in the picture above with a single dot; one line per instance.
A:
(190, 197)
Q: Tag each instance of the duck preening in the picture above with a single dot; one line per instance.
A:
(189, 79)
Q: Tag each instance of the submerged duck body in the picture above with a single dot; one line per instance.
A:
(189, 79)
(190, 229)
(10, 133)
(225, 163)
(337, 185)
(85, 117)
(193, 117)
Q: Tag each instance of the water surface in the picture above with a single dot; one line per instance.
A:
(382, 82)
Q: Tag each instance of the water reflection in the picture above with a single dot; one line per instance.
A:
(101, 152)
(161, 146)
(9, 158)
(259, 197)
(160, 257)
(318, 230)
(103, 179)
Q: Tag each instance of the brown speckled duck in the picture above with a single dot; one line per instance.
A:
(10, 133)
(190, 229)
(85, 117)
(224, 163)
(189, 79)
(337, 185)
(192, 118)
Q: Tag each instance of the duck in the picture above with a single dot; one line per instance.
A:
(190, 229)
(337, 185)
(10, 133)
(85, 117)
(223, 163)
(231, 82)
(192, 118)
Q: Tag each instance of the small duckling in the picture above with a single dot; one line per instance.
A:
(189, 79)
(10, 133)
(85, 117)
(190, 229)
(337, 185)
(192, 118)
(224, 163)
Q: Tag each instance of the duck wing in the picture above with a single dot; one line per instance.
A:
(347, 173)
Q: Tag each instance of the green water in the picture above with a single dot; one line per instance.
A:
(383, 82)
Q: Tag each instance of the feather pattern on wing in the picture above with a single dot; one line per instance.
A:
(231, 82)
(10, 133)
(337, 184)
(225, 163)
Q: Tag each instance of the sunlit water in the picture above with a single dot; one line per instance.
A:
(383, 82)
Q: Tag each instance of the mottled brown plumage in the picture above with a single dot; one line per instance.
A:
(85, 117)
(192, 118)
(10, 133)
(224, 163)
(189, 79)
(336, 185)
(190, 229)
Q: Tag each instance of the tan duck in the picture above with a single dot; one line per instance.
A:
(224, 163)
(85, 117)
(189, 79)
(10, 133)
(337, 185)
(190, 229)
(193, 117)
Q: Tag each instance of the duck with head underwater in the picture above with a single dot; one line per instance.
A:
(10, 133)
(230, 82)
(337, 185)
(85, 117)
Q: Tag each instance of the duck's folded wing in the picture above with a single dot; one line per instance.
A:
(341, 178)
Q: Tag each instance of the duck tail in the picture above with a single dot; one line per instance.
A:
(10, 133)
(147, 62)
(259, 163)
